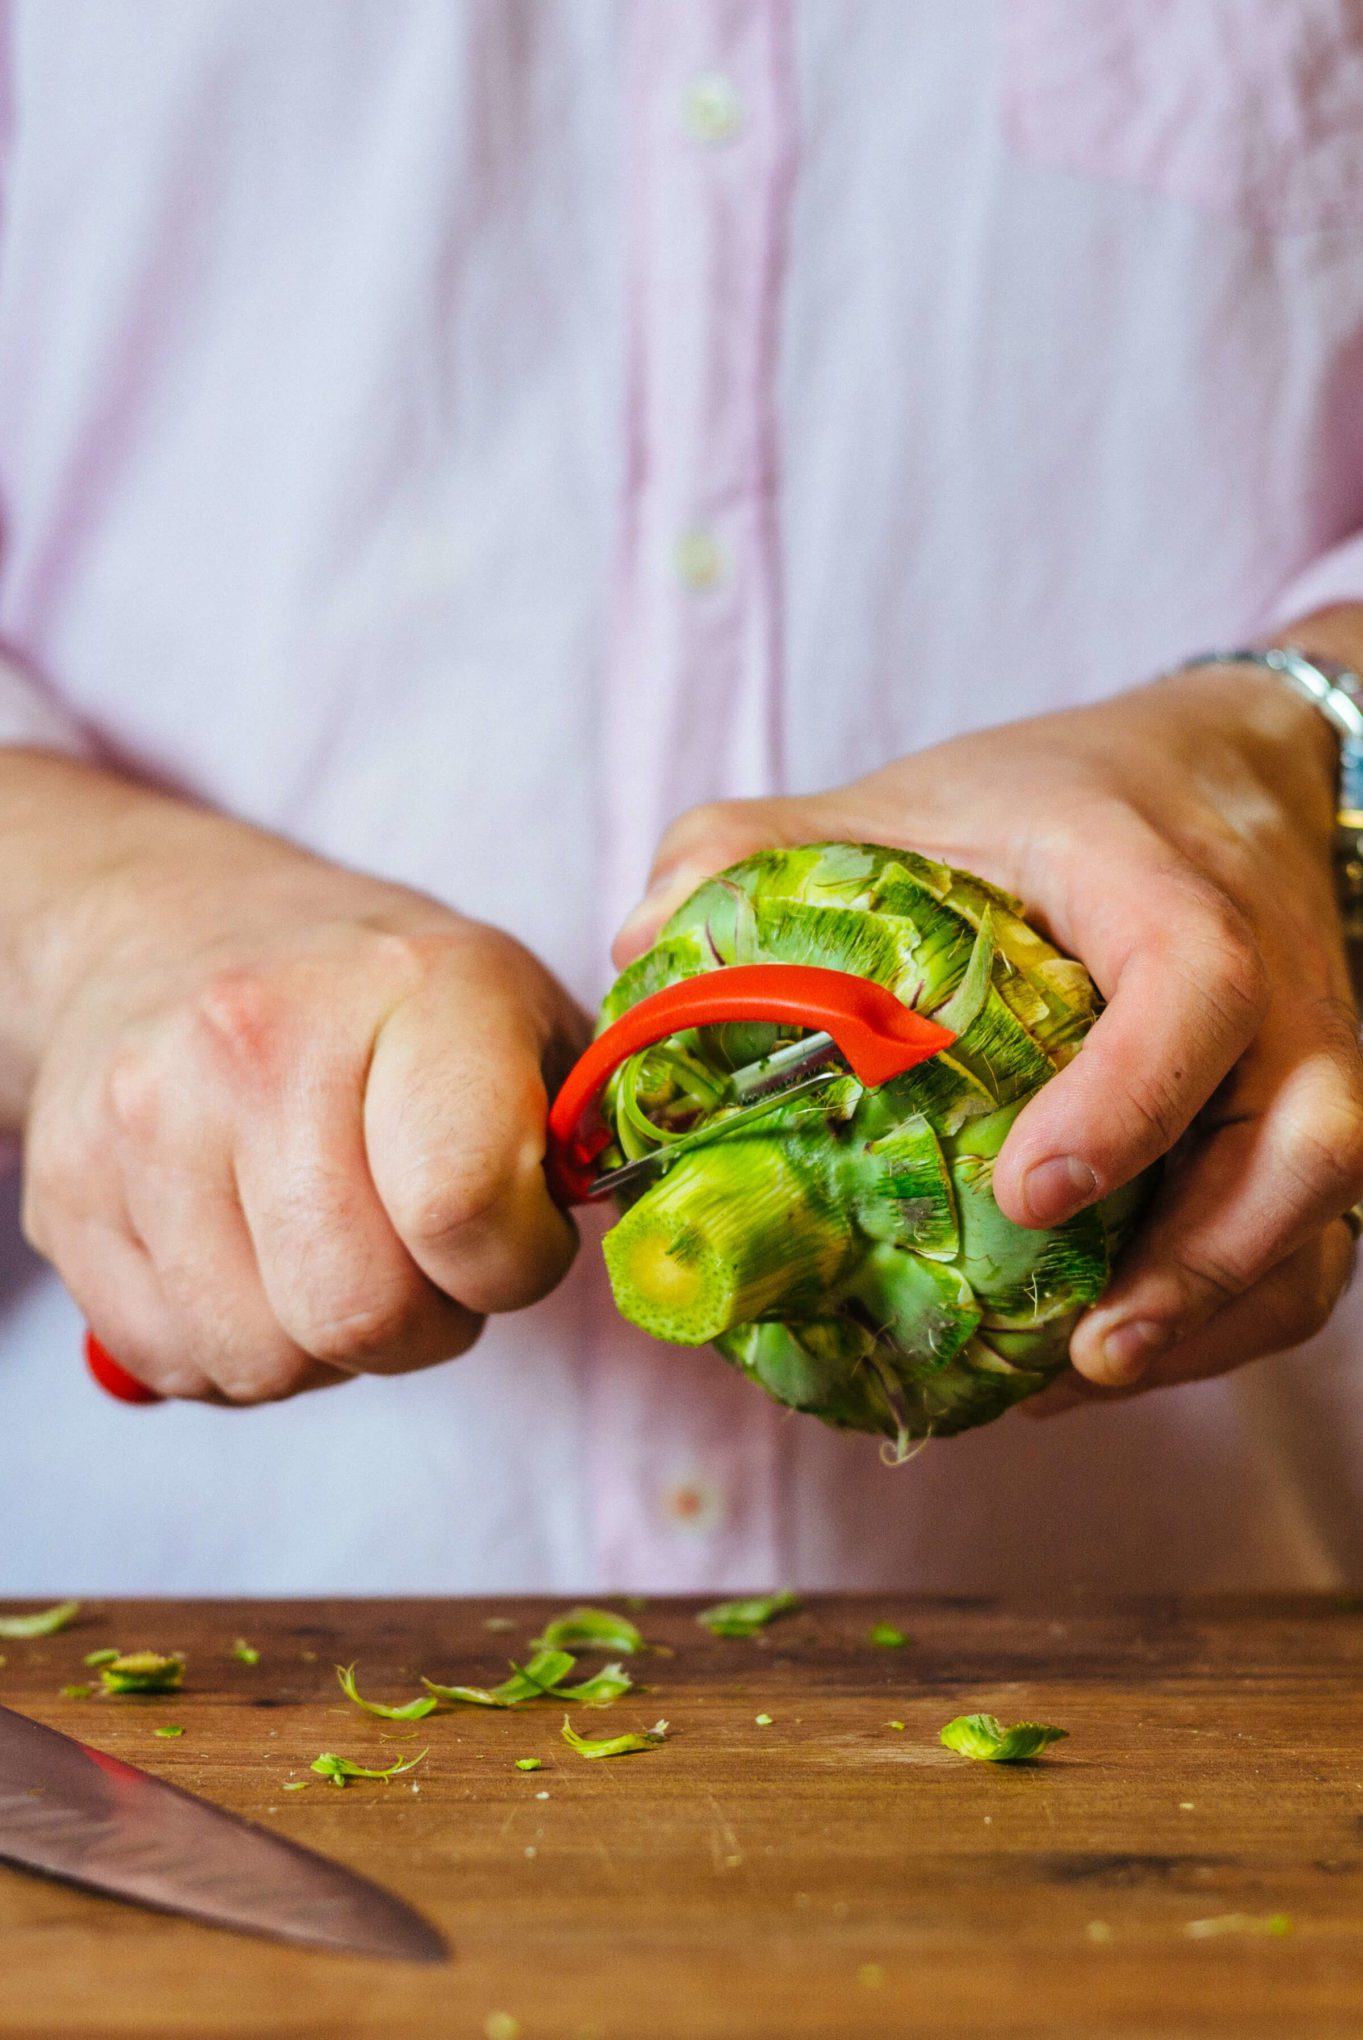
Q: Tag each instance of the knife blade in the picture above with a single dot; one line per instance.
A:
(72, 1812)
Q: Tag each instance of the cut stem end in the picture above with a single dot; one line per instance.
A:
(733, 1232)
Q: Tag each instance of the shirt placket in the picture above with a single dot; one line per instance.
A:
(693, 698)
(687, 1454)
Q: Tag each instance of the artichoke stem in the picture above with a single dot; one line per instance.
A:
(734, 1231)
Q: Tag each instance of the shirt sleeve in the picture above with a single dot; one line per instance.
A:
(30, 715)
(1335, 576)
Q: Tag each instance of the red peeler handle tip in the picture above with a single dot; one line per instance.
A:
(113, 1379)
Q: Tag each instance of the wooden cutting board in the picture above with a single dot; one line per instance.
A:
(829, 1874)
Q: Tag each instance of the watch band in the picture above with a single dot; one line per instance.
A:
(1337, 692)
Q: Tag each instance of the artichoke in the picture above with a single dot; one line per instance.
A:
(845, 1251)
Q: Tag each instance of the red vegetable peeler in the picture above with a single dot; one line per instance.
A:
(876, 1036)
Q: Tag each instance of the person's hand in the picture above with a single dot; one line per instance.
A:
(287, 1124)
(1175, 839)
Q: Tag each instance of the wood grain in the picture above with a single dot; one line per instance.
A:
(827, 1875)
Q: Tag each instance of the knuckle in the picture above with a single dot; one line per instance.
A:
(405, 958)
(348, 1337)
(1321, 1308)
(704, 822)
(461, 1341)
(176, 1375)
(1214, 1276)
(438, 1200)
(1235, 974)
(132, 1095)
(405, 949)
(1155, 1108)
(1214, 946)
(1306, 1308)
(1243, 984)
(1339, 1026)
(203, 1354)
(268, 1378)
(1298, 1299)
(708, 837)
(241, 1014)
(1323, 1150)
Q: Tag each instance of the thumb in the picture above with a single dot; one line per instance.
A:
(454, 1115)
(701, 842)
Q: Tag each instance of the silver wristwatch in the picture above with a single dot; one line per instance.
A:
(1338, 694)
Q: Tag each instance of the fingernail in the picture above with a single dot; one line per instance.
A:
(1057, 1188)
(1128, 1349)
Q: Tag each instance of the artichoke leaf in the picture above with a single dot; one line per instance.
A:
(591, 1629)
(997, 1049)
(923, 1311)
(984, 1737)
(613, 1745)
(941, 1090)
(410, 1710)
(143, 1671)
(806, 1366)
(908, 1198)
(746, 1617)
(666, 963)
(963, 1008)
(546, 1670)
(1021, 1277)
(46, 1622)
(875, 946)
(338, 1769)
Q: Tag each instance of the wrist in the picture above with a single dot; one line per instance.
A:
(1278, 731)
(1331, 641)
(58, 819)
(178, 891)
(1331, 634)
(1326, 688)
(122, 881)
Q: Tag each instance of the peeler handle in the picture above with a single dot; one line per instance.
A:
(879, 1037)
(113, 1379)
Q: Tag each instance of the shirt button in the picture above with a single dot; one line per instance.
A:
(692, 1503)
(712, 110)
(700, 560)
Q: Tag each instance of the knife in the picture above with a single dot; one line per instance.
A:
(72, 1812)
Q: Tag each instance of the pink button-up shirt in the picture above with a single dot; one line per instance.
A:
(462, 436)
